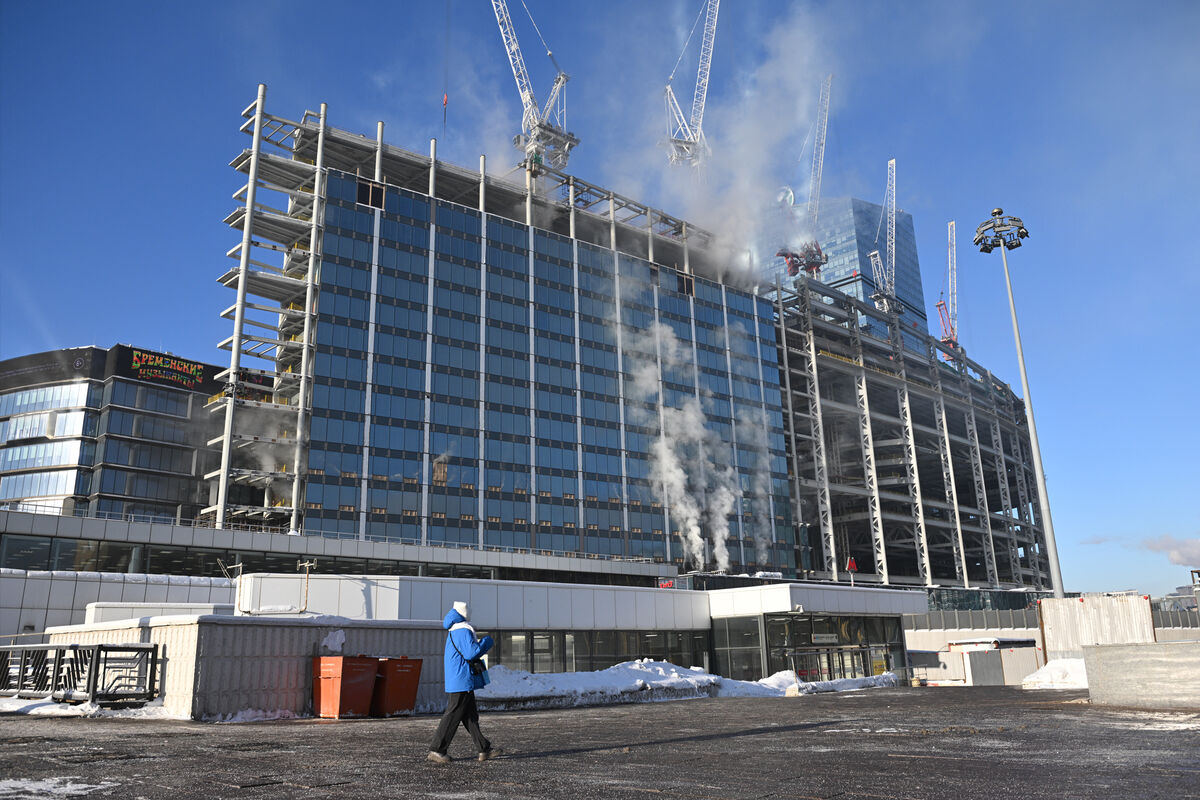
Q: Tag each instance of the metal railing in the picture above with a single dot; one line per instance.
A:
(75, 673)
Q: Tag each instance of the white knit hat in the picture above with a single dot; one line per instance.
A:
(462, 608)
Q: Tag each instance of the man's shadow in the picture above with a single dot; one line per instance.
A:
(704, 737)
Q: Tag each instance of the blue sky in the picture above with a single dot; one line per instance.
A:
(118, 120)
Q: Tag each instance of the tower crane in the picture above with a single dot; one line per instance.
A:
(811, 258)
(948, 309)
(685, 136)
(818, 162)
(543, 138)
(885, 276)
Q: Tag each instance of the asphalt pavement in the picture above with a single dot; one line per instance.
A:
(956, 743)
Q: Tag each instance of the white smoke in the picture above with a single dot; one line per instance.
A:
(688, 471)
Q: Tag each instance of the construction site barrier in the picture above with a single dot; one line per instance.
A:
(72, 673)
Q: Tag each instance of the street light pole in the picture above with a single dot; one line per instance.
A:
(1007, 233)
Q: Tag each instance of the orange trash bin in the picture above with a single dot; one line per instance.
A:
(342, 685)
(396, 688)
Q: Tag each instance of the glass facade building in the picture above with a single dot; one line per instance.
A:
(478, 376)
(481, 381)
(95, 431)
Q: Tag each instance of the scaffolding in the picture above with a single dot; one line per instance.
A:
(914, 466)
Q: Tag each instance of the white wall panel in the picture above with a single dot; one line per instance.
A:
(536, 614)
(605, 605)
(483, 600)
(583, 610)
(559, 608)
(645, 609)
(626, 609)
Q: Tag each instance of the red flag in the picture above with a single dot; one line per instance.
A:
(445, 99)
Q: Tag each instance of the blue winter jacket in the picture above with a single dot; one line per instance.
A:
(458, 674)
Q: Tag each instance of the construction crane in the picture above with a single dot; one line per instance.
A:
(818, 162)
(948, 309)
(685, 136)
(810, 258)
(885, 277)
(543, 138)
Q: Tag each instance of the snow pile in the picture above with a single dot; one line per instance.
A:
(628, 682)
(1060, 673)
(644, 681)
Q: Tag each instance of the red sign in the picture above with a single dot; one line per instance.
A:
(666, 583)
(851, 566)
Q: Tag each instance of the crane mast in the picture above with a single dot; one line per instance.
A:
(818, 163)
(685, 136)
(885, 276)
(948, 309)
(543, 137)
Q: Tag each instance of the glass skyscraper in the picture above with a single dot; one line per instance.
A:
(848, 229)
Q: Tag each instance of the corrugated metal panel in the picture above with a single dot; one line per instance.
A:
(1072, 623)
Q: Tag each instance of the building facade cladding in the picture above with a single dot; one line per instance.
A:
(480, 381)
(113, 431)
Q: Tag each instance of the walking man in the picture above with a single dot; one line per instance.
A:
(462, 647)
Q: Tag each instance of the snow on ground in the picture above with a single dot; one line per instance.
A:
(48, 787)
(1059, 673)
(641, 681)
(49, 708)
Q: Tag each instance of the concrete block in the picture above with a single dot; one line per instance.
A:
(1159, 675)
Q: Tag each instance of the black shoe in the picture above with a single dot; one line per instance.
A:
(488, 755)
(438, 758)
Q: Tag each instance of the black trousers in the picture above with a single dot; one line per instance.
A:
(460, 708)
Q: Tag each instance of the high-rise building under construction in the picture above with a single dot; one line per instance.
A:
(422, 353)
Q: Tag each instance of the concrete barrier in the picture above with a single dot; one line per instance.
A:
(1161, 675)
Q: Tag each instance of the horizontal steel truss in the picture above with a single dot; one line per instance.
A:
(913, 463)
